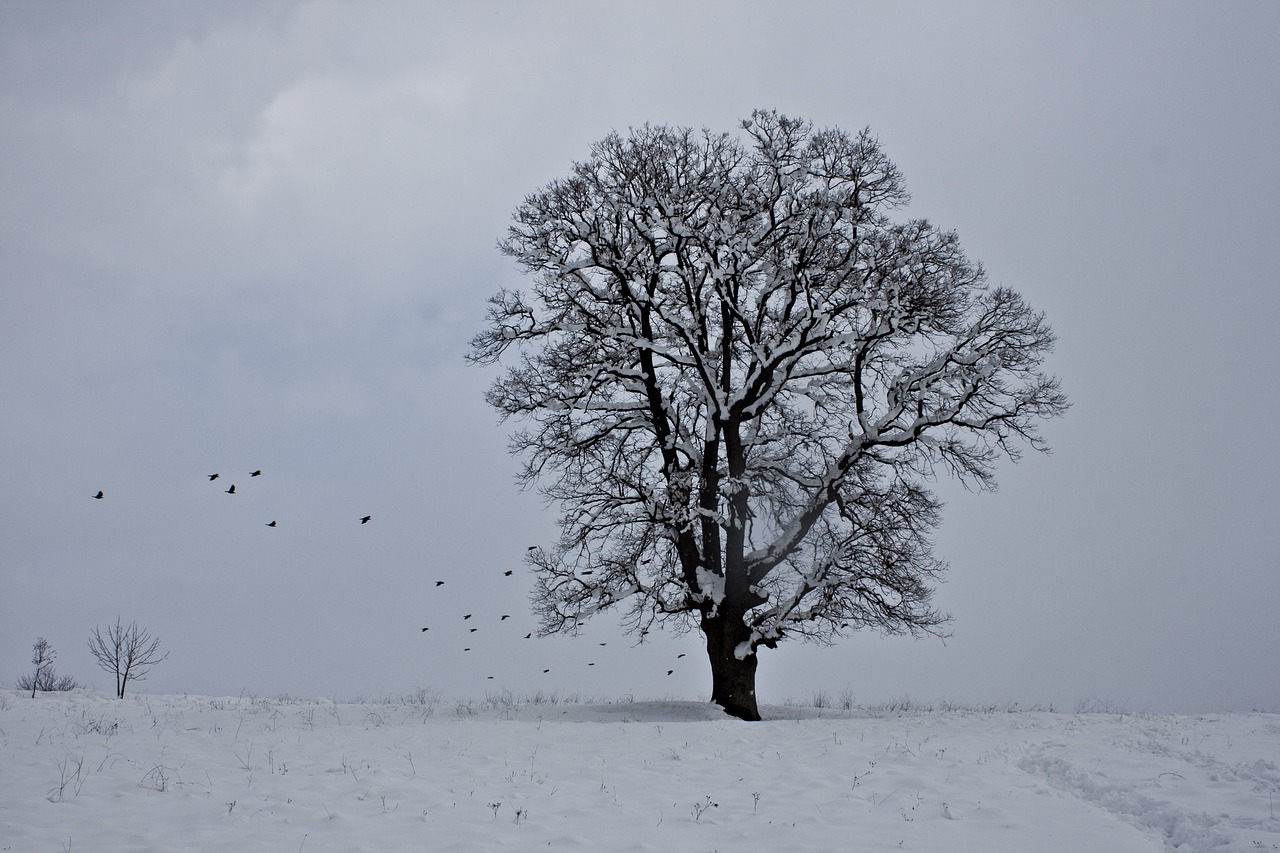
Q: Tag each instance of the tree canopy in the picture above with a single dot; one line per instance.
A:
(738, 376)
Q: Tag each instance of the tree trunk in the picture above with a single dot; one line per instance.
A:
(733, 679)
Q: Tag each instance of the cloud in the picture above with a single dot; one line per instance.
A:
(267, 229)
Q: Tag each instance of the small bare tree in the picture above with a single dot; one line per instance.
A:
(44, 678)
(128, 651)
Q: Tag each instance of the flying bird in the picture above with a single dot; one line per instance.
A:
(528, 635)
(232, 490)
(271, 524)
(99, 495)
(604, 644)
(257, 473)
(473, 630)
(505, 617)
(468, 616)
(670, 671)
(365, 519)
(545, 671)
(508, 572)
(532, 548)
(679, 656)
(426, 629)
(213, 477)
(439, 583)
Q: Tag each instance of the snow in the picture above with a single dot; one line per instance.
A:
(711, 584)
(84, 771)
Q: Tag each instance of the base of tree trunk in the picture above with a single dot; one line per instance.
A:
(733, 679)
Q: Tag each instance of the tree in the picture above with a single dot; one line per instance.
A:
(740, 376)
(44, 678)
(127, 651)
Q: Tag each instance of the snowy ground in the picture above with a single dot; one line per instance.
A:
(85, 772)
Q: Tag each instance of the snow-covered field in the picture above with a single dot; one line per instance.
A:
(84, 772)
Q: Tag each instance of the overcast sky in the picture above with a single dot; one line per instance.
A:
(241, 236)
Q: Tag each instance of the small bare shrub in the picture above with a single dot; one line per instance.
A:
(44, 679)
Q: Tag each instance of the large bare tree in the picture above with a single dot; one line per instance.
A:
(739, 375)
(126, 650)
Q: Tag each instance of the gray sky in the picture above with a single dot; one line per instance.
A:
(244, 236)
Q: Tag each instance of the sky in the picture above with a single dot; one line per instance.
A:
(259, 235)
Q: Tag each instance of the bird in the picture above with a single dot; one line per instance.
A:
(257, 473)
(528, 635)
(545, 671)
(213, 477)
(532, 548)
(679, 656)
(505, 617)
(468, 616)
(99, 495)
(365, 519)
(604, 644)
(670, 671)
(426, 629)
(473, 630)
(271, 524)
(232, 490)
(467, 649)
(508, 572)
(439, 583)
(591, 664)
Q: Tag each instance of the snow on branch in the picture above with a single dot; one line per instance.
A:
(736, 372)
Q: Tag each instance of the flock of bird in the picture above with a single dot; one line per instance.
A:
(231, 490)
(365, 519)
